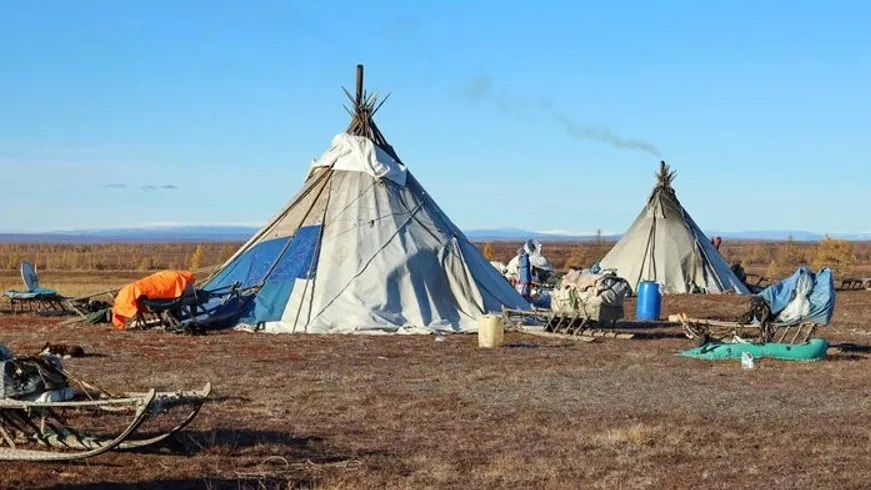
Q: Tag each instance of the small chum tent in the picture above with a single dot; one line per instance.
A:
(363, 247)
(665, 245)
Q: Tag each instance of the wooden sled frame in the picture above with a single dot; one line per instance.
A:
(702, 329)
(79, 304)
(188, 313)
(578, 325)
(24, 424)
(41, 304)
(855, 283)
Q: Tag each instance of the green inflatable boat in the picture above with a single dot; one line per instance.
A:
(812, 350)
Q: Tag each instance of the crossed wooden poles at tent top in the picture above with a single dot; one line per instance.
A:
(365, 105)
(665, 176)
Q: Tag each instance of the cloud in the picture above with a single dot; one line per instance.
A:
(114, 186)
(164, 187)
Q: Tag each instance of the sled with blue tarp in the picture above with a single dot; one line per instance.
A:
(194, 312)
(789, 311)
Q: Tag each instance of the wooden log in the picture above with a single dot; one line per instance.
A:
(578, 338)
(608, 334)
(714, 323)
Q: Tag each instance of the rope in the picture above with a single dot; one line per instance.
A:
(368, 262)
(312, 263)
(269, 227)
(290, 238)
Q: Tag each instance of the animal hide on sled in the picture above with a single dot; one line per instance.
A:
(26, 376)
(585, 294)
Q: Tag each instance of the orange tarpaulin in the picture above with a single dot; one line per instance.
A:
(161, 285)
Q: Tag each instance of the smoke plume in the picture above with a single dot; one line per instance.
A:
(481, 88)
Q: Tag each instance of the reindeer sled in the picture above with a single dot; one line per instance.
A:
(583, 305)
(34, 298)
(788, 312)
(47, 415)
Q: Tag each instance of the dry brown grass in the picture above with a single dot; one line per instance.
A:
(349, 412)
(72, 283)
(114, 256)
(769, 258)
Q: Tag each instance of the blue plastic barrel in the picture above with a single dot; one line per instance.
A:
(649, 301)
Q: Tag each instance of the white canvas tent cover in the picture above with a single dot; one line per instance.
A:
(364, 248)
(665, 245)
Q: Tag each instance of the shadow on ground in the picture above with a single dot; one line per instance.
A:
(191, 442)
(658, 335)
(248, 438)
(853, 348)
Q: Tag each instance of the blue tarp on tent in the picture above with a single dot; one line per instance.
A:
(821, 297)
(297, 261)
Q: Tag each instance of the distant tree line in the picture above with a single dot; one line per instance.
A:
(770, 258)
(115, 256)
(775, 259)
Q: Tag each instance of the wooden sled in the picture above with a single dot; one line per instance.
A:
(42, 304)
(50, 431)
(583, 325)
(27, 424)
(849, 283)
(704, 330)
(196, 399)
(33, 298)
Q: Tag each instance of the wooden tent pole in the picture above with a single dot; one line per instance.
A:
(359, 85)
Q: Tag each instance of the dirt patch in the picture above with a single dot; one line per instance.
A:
(409, 412)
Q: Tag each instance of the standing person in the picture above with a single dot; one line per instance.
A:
(524, 273)
(716, 242)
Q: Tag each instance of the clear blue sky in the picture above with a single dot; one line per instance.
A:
(762, 107)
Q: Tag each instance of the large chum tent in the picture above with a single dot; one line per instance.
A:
(665, 245)
(363, 248)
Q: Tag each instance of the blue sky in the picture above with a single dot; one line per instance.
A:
(762, 107)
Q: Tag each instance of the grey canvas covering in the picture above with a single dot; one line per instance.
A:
(665, 245)
(389, 259)
(392, 261)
